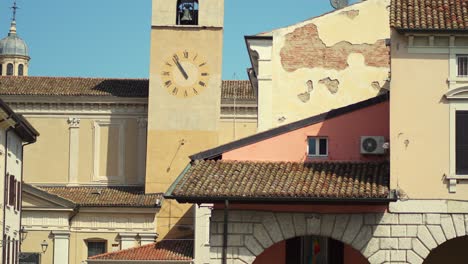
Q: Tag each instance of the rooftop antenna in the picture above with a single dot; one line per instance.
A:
(337, 4)
(14, 7)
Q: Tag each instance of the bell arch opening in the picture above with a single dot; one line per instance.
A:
(187, 12)
(451, 251)
(310, 250)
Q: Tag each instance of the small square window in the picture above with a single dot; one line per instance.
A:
(462, 65)
(317, 147)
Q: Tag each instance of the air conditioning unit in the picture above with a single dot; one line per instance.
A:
(372, 145)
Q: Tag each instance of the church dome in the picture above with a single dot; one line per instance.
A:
(12, 44)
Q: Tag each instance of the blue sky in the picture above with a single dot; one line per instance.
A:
(110, 38)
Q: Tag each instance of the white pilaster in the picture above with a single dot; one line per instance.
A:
(61, 246)
(149, 238)
(141, 152)
(127, 240)
(74, 143)
(202, 233)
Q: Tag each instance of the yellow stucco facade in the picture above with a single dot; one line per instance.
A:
(311, 67)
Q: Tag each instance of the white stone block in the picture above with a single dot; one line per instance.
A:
(371, 247)
(386, 218)
(426, 238)
(286, 224)
(379, 257)
(411, 219)
(411, 231)
(419, 248)
(419, 206)
(457, 207)
(389, 243)
(341, 222)
(404, 243)
(253, 245)
(362, 238)
(432, 219)
(369, 219)
(382, 231)
(437, 233)
(216, 240)
(313, 225)
(353, 228)
(246, 256)
(459, 223)
(235, 240)
(398, 231)
(328, 221)
(273, 228)
(447, 225)
(262, 236)
(398, 255)
(300, 224)
(413, 258)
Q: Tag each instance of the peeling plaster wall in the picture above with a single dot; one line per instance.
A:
(326, 62)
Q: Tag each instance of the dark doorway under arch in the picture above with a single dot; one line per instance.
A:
(310, 249)
(452, 251)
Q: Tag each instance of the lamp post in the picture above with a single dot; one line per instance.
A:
(23, 234)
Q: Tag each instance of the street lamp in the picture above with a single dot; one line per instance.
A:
(44, 246)
(23, 234)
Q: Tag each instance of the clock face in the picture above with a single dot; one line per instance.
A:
(185, 74)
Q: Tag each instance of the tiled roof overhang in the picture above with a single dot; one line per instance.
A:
(209, 181)
(104, 87)
(104, 196)
(172, 251)
(21, 126)
(429, 16)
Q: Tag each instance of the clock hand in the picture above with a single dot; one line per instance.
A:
(181, 69)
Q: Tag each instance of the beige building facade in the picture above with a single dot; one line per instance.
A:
(311, 67)
(15, 134)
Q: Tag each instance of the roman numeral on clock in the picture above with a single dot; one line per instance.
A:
(175, 91)
(202, 84)
(186, 54)
(168, 83)
(195, 91)
(204, 74)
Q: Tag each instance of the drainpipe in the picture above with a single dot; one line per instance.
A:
(225, 231)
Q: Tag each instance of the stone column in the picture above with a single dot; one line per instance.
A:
(74, 143)
(127, 240)
(202, 233)
(148, 238)
(61, 246)
(141, 156)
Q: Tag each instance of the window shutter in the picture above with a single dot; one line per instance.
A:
(11, 200)
(18, 195)
(461, 142)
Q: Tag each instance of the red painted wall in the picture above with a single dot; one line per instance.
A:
(352, 256)
(275, 254)
(344, 138)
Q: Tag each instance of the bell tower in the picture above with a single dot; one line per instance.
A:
(14, 55)
(184, 95)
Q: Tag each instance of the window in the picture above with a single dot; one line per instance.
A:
(317, 147)
(461, 143)
(20, 70)
(1, 69)
(187, 12)
(9, 69)
(462, 65)
(11, 190)
(96, 248)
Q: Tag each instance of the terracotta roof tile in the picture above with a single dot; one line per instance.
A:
(246, 179)
(78, 86)
(171, 250)
(429, 14)
(90, 196)
(241, 90)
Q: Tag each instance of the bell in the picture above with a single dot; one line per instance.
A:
(187, 16)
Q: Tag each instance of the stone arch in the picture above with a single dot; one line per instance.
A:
(252, 232)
